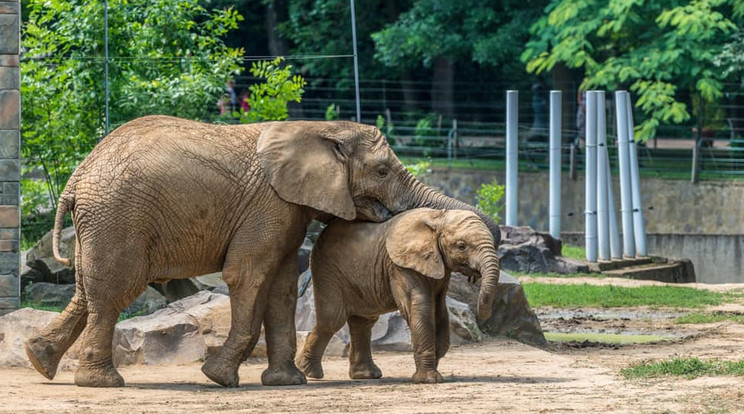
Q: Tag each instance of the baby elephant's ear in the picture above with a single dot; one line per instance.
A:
(411, 242)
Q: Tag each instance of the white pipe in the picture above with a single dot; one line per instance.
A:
(615, 250)
(603, 222)
(554, 206)
(512, 117)
(590, 212)
(626, 204)
(639, 227)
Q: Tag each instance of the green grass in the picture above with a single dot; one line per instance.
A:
(702, 317)
(573, 252)
(684, 367)
(570, 296)
(561, 275)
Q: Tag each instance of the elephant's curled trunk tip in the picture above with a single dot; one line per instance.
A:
(59, 221)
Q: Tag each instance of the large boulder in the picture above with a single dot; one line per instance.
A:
(525, 250)
(16, 326)
(511, 314)
(40, 265)
(51, 295)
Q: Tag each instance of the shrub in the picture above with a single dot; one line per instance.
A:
(488, 199)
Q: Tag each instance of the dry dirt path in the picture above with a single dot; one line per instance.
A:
(497, 375)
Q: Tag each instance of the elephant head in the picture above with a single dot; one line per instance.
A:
(433, 241)
(348, 170)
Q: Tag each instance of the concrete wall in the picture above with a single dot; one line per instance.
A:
(677, 206)
(10, 122)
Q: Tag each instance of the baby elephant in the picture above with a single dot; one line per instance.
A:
(361, 270)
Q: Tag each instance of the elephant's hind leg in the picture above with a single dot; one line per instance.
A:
(46, 348)
(361, 365)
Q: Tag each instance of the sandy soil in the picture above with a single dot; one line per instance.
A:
(498, 375)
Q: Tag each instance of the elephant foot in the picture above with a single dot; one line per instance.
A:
(427, 377)
(313, 369)
(98, 377)
(44, 356)
(220, 372)
(366, 371)
(285, 375)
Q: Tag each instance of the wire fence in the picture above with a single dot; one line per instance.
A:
(470, 130)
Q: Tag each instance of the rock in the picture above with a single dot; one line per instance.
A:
(463, 325)
(525, 250)
(48, 294)
(41, 265)
(512, 315)
(303, 256)
(186, 331)
(16, 326)
(148, 302)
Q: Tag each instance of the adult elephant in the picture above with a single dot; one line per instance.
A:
(163, 198)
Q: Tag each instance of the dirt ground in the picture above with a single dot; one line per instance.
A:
(497, 375)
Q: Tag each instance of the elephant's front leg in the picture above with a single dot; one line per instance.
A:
(442, 327)
(279, 325)
(248, 281)
(361, 365)
(423, 339)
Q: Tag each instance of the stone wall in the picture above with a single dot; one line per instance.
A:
(671, 206)
(10, 122)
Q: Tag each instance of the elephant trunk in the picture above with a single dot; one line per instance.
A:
(490, 271)
(421, 195)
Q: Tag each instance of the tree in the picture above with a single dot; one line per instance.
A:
(659, 49)
(166, 57)
(268, 100)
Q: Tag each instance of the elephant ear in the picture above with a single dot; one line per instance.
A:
(411, 242)
(306, 163)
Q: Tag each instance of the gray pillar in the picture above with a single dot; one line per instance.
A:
(10, 160)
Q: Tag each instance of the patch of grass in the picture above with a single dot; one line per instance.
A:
(34, 305)
(684, 367)
(570, 296)
(563, 275)
(620, 339)
(573, 252)
(703, 317)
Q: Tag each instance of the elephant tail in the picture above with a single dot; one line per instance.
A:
(59, 222)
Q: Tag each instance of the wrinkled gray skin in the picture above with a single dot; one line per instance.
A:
(163, 198)
(362, 270)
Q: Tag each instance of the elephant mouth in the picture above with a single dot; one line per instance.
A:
(369, 209)
(472, 274)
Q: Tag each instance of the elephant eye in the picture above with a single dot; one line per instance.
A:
(382, 172)
(461, 245)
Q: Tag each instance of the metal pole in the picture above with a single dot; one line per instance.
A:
(603, 222)
(639, 227)
(554, 205)
(626, 204)
(356, 62)
(615, 250)
(512, 117)
(106, 62)
(590, 201)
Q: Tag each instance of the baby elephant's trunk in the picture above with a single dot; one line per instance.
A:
(490, 271)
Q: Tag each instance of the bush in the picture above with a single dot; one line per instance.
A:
(488, 199)
(269, 99)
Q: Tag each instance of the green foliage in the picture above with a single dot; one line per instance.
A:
(424, 135)
(166, 57)
(688, 367)
(609, 296)
(488, 199)
(332, 113)
(703, 317)
(418, 169)
(658, 49)
(269, 99)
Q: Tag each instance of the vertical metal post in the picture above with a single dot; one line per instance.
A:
(554, 205)
(512, 117)
(106, 63)
(590, 201)
(639, 227)
(603, 222)
(626, 204)
(616, 250)
(356, 62)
